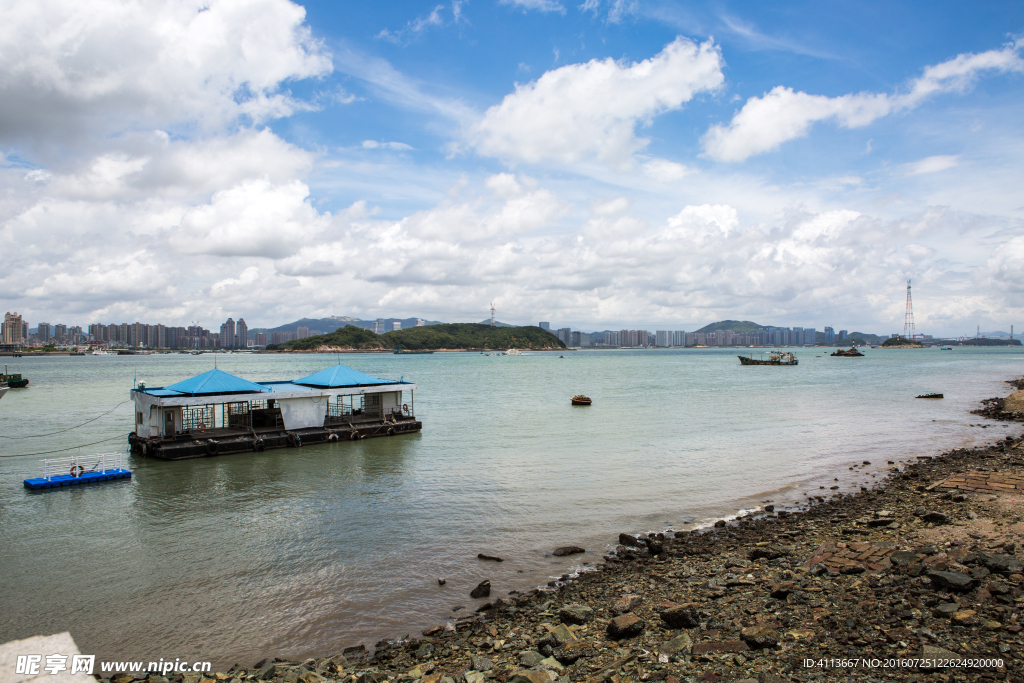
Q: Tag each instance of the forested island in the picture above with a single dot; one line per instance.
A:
(451, 336)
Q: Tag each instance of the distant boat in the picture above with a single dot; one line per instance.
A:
(13, 381)
(930, 396)
(775, 358)
(101, 352)
(946, 348)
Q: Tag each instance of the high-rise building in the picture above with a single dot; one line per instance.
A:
(565, 335)
(830, 336)
(843, 334)
(301, 332)
(241, 333)
(261, 339)
(13, 329)
(810, 336)
(679, 338)
(378, 326)
(689, 338)
(227, 334)
(396, 326)
(544, 326)
(663, 338)
(420, 322)
(44, 332)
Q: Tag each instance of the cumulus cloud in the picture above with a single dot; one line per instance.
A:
(591, 110)
(765, 123)
(73, 66)
(932, 164)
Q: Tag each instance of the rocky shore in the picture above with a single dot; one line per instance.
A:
(918, 579)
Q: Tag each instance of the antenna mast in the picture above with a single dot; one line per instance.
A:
(492, 314)
(908, 318)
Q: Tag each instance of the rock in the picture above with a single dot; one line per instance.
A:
(627, 603)
(531, 659)
(964, 616)
(525, 676)
(441, 582)
(122, 678)
(570, 652)
(736, 562)
(630, 540)
(934, 518)
(760, 636)
(475, 677)
(767, 552)
(719, 647)
(680, 643)
(683, 616)
(769, 508)
(625, 626)
(481, 663)
(992, 626)
(881, 521)
(945, 610)
(567, 550)
(932, 656)
(575, 614)
(902, 558)
(782, 589)
(562, 635)
(1003, 564)
(492, 558)
(552, 664)
(719, 524)
(951, 580)
(310, 677)
(482, 590)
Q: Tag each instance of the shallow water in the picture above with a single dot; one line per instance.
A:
(306, 551)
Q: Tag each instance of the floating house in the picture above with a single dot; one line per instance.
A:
(217, 413)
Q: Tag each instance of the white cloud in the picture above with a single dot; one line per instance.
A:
(617, 9)
(591, 110)
(74, 66)
(419, 25)
(665, 171)
(539, 5)
(764, 123)
(373, 144)
(933, 164)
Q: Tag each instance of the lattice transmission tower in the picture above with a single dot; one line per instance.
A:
(492, 314)
(908, 318)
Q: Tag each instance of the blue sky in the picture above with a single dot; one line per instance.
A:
(597, 164)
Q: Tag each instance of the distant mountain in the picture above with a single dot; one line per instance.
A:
(497, 323)
(741, 326)
(444, 336)
(328, 325)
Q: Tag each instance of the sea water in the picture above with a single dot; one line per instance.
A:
(299, 552)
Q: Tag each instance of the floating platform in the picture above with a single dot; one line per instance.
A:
(68, 480)
(80, 469)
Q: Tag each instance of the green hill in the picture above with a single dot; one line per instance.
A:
(739, 326)
(901, 341)
(444, 336)
(990, 342)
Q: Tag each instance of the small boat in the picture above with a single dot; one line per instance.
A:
(774, 358)
(13, 381)
(513, 352)
(930, 396)
(946, 348)
(580, 400)
(101, 352)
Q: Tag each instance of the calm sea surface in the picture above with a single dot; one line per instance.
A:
(305, 551)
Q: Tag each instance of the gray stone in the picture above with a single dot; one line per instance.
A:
(1003, 564)
(951, 580)
(945, 610)
(760, 636)
(568, 550)
(481, 663)
(482, 590)
(575, 614)
(531, 659)
(630, 540)
(902, 558)
(766, 552)
(525, 676)
(570, 652)
(680, 643)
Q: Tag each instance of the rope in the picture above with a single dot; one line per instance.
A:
(37, 436)
(61, 450)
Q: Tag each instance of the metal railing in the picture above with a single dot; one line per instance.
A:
(77, 465)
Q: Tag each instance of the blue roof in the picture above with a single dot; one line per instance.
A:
(215, 382)
(341, 376)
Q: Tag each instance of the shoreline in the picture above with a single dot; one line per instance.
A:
(908, 568)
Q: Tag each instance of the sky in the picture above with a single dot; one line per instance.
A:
(597, 164)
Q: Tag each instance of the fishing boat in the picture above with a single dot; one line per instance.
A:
(774, 358)
(580, 400)
(13, 381)
(513, 352)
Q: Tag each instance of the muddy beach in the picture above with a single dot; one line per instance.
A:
(919, 578)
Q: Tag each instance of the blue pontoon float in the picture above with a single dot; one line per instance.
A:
(80, 469)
